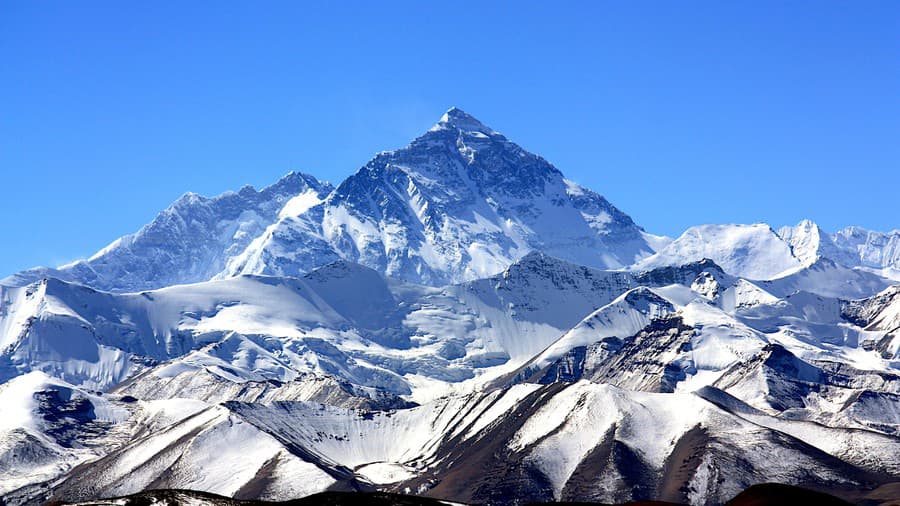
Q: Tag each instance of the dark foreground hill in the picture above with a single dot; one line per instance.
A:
(769, 494)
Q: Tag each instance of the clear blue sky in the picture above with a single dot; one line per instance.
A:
(679, 112)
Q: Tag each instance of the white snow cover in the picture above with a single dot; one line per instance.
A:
(623, 317)
(28, 454)
(200, 447)
(578, 419)
(192, 240)
(749, 251)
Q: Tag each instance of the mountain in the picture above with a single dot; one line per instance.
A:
(825, 277)
(808, 242)
(757, 495)
(47, 428)
(261, 337)
(829, 393)
(749, 251)
(455, 320)
(460, 202)
(851, 246)
(879, 314)
(583, 440)
(342, 320)
(188, 242)
(803, 257)
(851, 263)
(319, 377)
(878, 250)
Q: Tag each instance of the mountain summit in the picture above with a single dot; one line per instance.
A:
(458, 203)
(189, 241)
(458, 119)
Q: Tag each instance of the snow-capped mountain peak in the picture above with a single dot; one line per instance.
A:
(809, 242)
(805, 240)
(456, 118)
(876, 250)
(752, 251)
(460, 202)
(189, 241)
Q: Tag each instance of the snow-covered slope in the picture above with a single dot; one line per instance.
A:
(98, 339)
(582, 441)
(346, 336)
(341, 320)
(830, 393)
(47, 427)
(190, 241)
(808, 242)
(193, 445)
(266, 338)
(856, 247)
(830, 279)
(877, 250)
(879, 315)
(749, 251)
(461, 202)
(623, 317)
(879, 312)
(803, 257)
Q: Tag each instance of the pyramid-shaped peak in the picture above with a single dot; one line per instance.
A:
(808, 224)
(458, 119)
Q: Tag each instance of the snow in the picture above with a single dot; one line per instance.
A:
(826, 277)
(295, 478)
(879, 250)
(28, 453)
(385, 472)
(744, 294)
(698, 380)
(721, 341)
(201, 447)
(623, 317)
(300, 204)
(504, 404)
(750, 251)
(232, 452)
(656, 242)
(577, 420)
(17, 399)
(192, 240)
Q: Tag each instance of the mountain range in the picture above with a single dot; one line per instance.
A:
(454, 320)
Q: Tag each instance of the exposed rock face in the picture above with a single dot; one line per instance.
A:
(650, 361)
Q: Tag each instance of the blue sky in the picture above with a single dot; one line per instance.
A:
(679, 112)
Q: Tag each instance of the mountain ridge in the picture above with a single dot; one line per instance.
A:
(460, 202)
